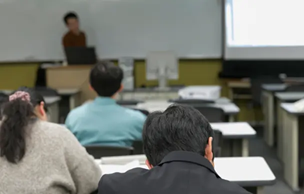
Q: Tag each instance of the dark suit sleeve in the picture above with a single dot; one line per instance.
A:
(104, 187)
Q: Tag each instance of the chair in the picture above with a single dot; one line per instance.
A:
(46, 92)
(128, 102)
(143, 111)
(191, 101)
(3, 99)
(213, 114)
(99, 151)
(217, 143)
(138, 147)
(256, 87)
(295, 88)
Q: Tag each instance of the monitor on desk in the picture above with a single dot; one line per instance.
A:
(162, 66)
(80, 55)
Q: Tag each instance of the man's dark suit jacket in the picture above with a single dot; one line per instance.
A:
(178, 173)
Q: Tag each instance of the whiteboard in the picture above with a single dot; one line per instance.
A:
(32, 30)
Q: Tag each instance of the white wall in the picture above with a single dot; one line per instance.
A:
(32, 29)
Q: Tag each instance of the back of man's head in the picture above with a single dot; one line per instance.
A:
(106, 78)
(179, 128)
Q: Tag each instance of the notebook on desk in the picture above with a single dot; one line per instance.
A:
(80, 55)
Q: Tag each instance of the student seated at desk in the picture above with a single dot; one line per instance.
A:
(41, 157)
(102, 121)
(178, 146)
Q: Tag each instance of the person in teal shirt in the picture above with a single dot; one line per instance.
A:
(102, 121)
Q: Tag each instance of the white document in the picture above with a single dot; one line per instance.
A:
(299, 105)
(109, 169)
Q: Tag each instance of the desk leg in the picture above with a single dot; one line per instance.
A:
(245, 148)
(72, 102)
(239, 147)
(268, 112)
(290, 150)
(254, 190)
(280, 128)
(54, 113)
(231, 118)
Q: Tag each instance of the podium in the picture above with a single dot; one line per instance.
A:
(72, 76)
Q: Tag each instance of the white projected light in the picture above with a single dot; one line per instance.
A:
(264, 29)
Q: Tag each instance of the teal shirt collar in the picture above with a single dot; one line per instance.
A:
(104, 101)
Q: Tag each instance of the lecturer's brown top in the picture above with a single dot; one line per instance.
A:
(73, 40)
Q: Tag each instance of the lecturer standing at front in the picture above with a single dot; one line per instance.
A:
(74, 37)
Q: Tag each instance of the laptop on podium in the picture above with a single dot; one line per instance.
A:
(81, 55)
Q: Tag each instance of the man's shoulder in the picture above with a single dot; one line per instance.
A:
(67, 35)
(134, 114)
(77, 112)
(119, 182)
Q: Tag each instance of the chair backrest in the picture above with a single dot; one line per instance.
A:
(256, 86)
(191, 101)
(143, 111)
(3, 99)
(99, 151)
(295, 88)
(217, 143)
(138, 147)
(45, 91)
(213, 114)
(128, 102)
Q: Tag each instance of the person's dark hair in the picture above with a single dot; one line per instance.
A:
(17, 115)
(68, 16)
(179, 128)
(106, 78)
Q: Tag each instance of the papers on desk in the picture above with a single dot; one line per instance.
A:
(109, 169)
(299, 105)
(233, 169)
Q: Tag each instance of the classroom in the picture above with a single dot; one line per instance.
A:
(99, 95)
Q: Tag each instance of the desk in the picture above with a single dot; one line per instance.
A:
(280, 98)
(252, 173)
(53, 107)
(73, 94)
(235, 138)
(293, 143)
(230, 109)
(72, 76)
(149, 94)
(268, 91)
(243, 85)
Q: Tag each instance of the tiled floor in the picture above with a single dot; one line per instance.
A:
(259, 148)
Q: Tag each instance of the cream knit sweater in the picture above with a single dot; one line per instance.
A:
(54, 163)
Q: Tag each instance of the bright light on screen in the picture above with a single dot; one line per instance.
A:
(264, 23)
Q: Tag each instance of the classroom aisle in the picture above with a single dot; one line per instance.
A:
(259, 148)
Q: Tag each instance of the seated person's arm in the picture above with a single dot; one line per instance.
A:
(66, 41)
(84, 170)
(139, 124)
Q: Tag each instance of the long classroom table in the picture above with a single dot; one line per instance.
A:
(230, 109)
(292, 144)
(280, 98)
(252, 173)
(269, 110)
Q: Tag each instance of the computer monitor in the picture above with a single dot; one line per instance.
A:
(162, 66)
(80, 55)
